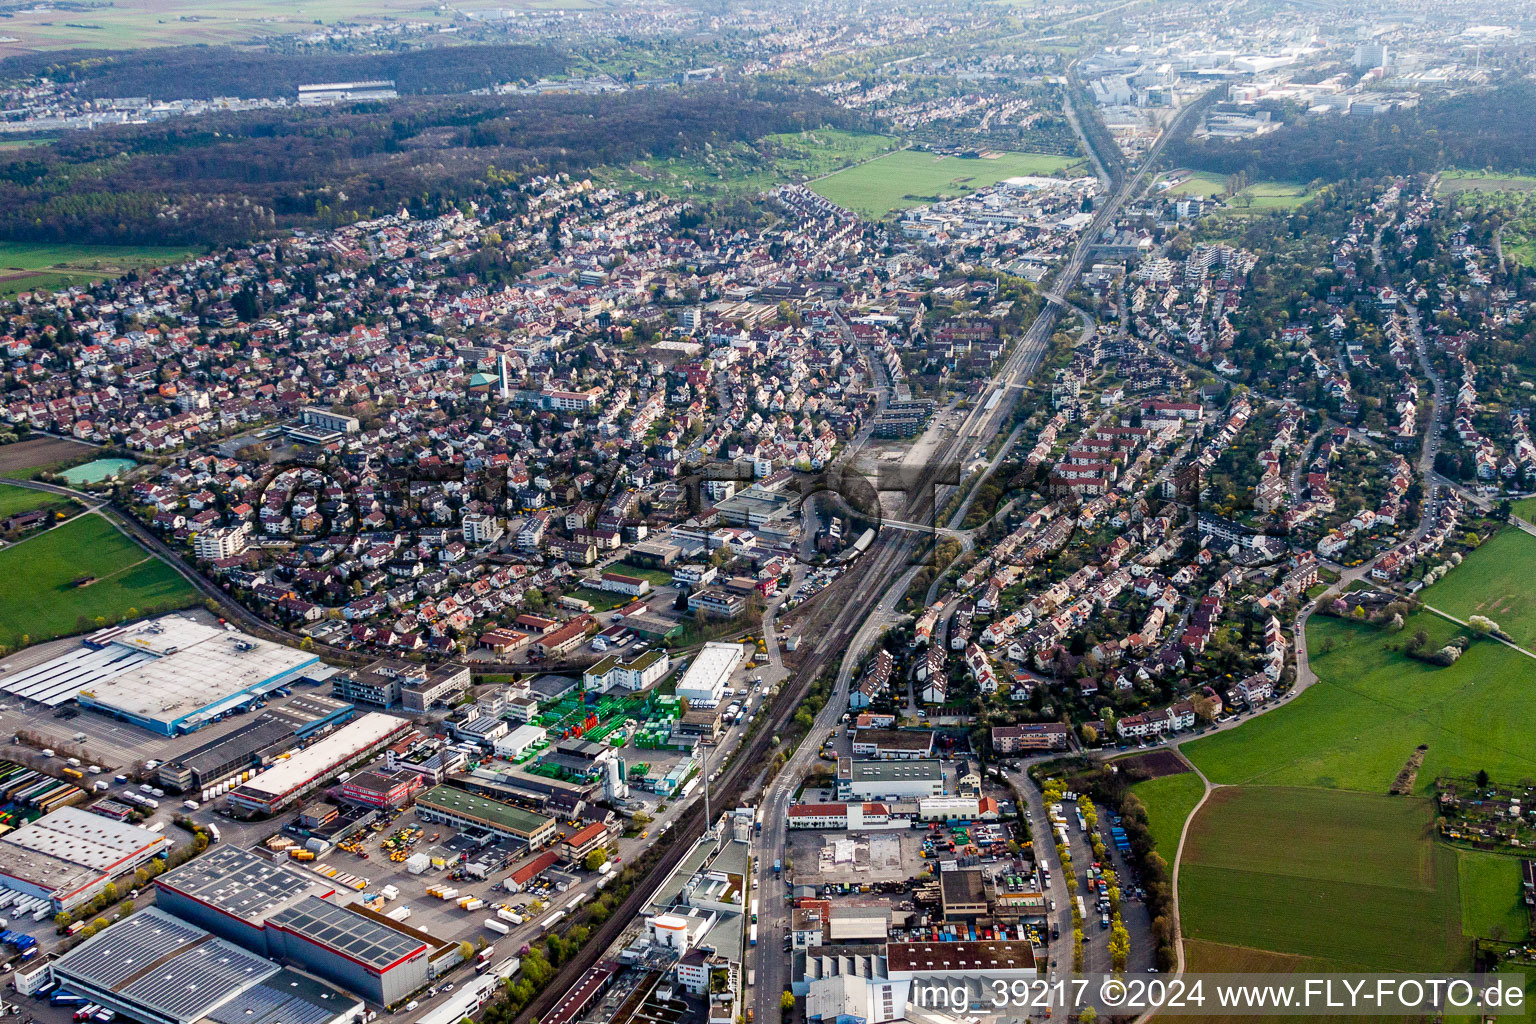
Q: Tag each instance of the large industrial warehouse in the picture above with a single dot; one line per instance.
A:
(290, 780)
(466, 810)
(156, 969)
(288, 916)
(704, 682)
(70, 855)
(231, 892)
(170, 675)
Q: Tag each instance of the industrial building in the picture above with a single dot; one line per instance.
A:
(70, 855)
(705, 680)
(382, 960)
(889, 780)
(466, 810)
(158, 970)
(385, 788)
(287, 916)
(269, 733)
(232, 892)
(290, 780)
(170, 675)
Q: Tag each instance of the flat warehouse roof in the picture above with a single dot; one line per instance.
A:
(287, 997)
(457, 801)
(189, 667)
(240, 883)
(68, 848)
(323, 755)
(712, 666)
(57, 680)
(170, 968)
(922, 768)
(349, 933)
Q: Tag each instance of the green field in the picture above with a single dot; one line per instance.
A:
(1359, 724)
(134, 24)
(1491, 899)
(1352, 879)
(1259, 197)
(28, 266)
(1494, 580)
(19, 499)
(1305, 862)
(1480, 181)
(127, 577)
(1168, 801)
(749, 169)
(912, 178)
(1525, 508)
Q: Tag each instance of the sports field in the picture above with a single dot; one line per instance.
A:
(1494, 580)
(50, 605)
(1168, 801)
(1353, 879)
(28, 266)
(912, 178)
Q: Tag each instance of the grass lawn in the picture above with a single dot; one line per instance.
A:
(1479, 181)
(1494, 580)
(1525, 508)
(1259, 197)
(600, 600)
(19, 499)
(49, 606)
(1359, 724)
(658, 577)
(1169, 801)
(27, 266)
(1491, 903)
(912, 178)
(1352, 879)
(1198, 183)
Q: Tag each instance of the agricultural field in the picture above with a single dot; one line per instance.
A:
(1491, 899)
(18, 499)
(1353, 880)
(1168, 801)
(912, 178)
(1372, 706)
(748, 169)
(137, 24)
(28, 266)
(1481, 181)
(1495, 581)
(19, 461)
(51, 605)
(1259, 197)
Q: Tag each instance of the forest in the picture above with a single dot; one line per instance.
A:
(203, 72)
(1493, 128)
(225, 178)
